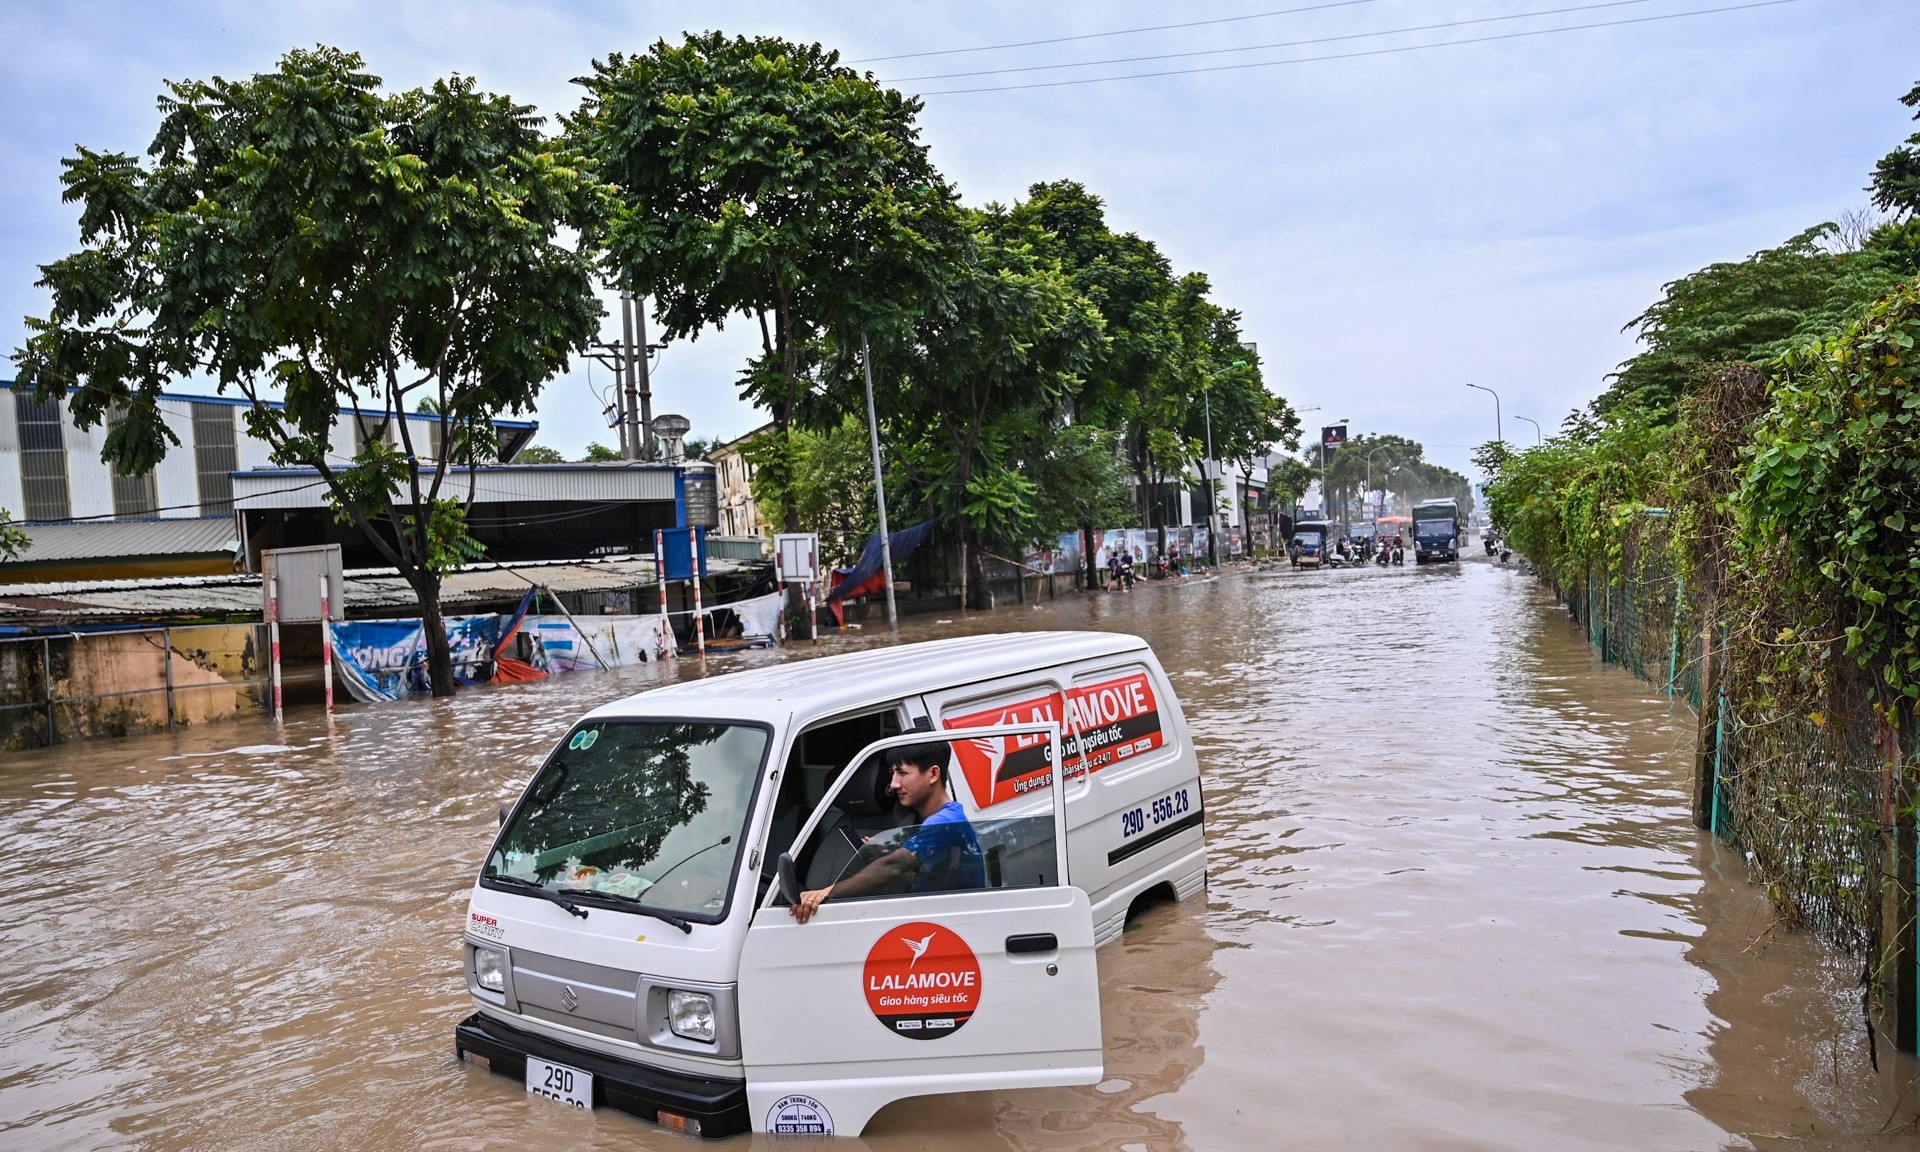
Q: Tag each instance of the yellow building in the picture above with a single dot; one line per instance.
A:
(734, 474)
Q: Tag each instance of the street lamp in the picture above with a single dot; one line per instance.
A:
(1537, 441)
(1370, 452)
(1498, 429)
(1206, 466)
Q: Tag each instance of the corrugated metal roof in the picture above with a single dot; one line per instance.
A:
(126, 539)
(608, 483)
(368, 591)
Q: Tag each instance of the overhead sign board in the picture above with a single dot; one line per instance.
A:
(1333, 435)
(796, 557)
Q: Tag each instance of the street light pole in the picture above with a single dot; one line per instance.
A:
(1499, 430)
(1537, 441)
(1206, 476)
(879, 485)
(1370, 453)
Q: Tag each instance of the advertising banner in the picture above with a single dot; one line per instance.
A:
(616, 640)
(1100, 724)
(387, 659)
(1235, 541)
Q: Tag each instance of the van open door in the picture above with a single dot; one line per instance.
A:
(950, 958)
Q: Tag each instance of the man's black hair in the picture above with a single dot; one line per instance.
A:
(933, 754)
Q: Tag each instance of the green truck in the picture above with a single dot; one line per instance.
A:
(1437, 529)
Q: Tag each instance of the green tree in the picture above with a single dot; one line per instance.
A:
(765, 178)
(978, 389)
(1288, 478)
(1747, 312)
(1896, 178)
(539, 454)
(302, 231)
(822, 481)
(14, 540)
(601, 454)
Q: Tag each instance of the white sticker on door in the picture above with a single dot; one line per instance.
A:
(799, 1116)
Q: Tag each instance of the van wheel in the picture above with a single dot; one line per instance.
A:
(1162, 893)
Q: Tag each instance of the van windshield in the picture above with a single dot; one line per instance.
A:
(1433, 528)
(630, 811)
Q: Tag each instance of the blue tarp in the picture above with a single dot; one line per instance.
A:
(902, 544)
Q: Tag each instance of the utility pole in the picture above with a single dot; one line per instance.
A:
(879, 485)
(649, 449)
(637, 436)
(622, 361)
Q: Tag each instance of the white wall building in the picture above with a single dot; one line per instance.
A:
(51, 471)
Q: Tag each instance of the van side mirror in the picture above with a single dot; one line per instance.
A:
(789, 879)
(503, 816)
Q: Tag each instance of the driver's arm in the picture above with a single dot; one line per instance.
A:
(868, 880)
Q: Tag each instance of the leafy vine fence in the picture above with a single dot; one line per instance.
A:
(1796, 771)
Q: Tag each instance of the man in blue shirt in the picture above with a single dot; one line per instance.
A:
(942, 855)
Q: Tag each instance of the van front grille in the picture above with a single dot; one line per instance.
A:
(584, 996)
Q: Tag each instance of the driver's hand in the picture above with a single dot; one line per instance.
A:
(809, 904)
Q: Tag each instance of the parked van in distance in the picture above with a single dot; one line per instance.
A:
(629, 941)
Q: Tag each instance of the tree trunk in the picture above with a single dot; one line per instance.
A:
(433, 627)
(1090, 552)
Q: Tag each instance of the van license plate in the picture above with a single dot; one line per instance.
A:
(559, 1082)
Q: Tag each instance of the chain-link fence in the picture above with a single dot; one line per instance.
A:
(1802, 789)
(80, 685)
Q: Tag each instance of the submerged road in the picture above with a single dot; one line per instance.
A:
(1456, 902)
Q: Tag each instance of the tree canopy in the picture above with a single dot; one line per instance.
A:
(302, 233)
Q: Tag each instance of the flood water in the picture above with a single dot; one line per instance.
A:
(1456, 902)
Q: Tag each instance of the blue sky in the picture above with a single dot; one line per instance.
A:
(1391, 226)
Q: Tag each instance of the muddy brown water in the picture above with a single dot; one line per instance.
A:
(1455, 903)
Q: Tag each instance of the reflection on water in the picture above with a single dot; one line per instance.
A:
(1455, 903)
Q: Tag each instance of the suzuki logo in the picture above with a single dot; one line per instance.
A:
(569, 999)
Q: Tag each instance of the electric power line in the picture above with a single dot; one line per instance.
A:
(1102, 35)
(1277, 44)
(1358, 55)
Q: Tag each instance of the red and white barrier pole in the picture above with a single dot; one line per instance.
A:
(326, 639)
(273, 642)
(780, 587)
(660, 570)
(699, 617)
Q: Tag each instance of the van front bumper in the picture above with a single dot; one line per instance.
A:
(720, 1106)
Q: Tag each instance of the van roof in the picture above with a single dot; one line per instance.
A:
(836, 683)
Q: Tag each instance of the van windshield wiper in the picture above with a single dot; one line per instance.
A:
(540, 890)
(634, 904)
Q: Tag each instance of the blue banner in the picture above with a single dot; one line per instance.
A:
(387, 659)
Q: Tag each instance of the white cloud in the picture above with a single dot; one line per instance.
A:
(1389, 226)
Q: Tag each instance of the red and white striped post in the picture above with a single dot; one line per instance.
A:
(699, 617)
(660, 570)
(326, 639)
(780, 587)
(273, 642)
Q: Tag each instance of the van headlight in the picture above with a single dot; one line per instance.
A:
(690, 1014)
(490, 968)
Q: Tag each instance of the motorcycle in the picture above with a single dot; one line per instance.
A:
(1399, 555)
(1383, 557)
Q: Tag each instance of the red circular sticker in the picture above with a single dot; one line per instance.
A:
(922, 981)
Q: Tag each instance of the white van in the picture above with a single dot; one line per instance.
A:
(629, 942)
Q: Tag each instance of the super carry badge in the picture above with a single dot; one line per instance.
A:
(922, 981)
